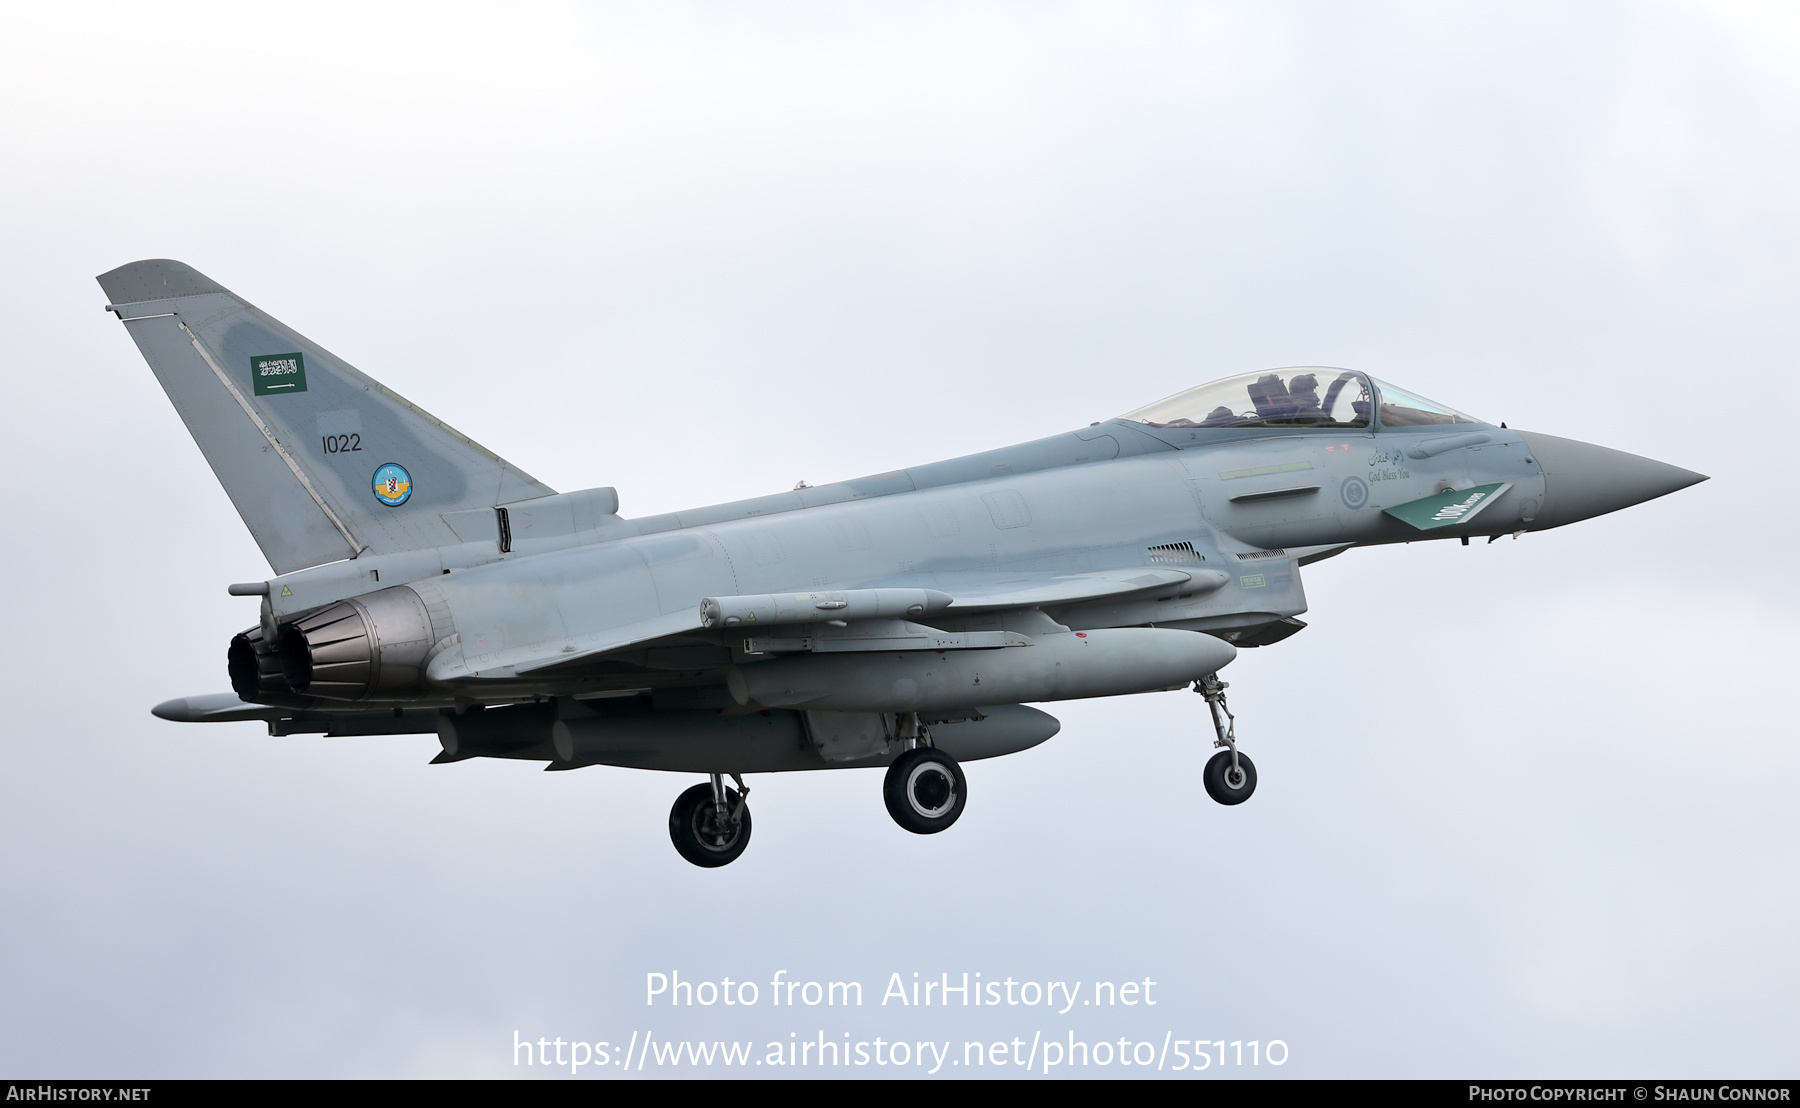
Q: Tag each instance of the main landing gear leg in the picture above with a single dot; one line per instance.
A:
(710, 824)
(911, 732)
(1230, 777)
(925, 790)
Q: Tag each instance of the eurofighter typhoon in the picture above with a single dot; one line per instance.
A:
(905, 620)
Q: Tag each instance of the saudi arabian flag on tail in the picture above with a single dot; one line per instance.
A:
(1447, 509)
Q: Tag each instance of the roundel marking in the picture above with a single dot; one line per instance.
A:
(1355, 493)
(392, 484)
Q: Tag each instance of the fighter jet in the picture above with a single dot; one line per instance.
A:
(902, 621)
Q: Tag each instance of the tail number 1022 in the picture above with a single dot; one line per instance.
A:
(341, 444)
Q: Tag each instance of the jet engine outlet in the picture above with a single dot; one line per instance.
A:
(370, 647)
(255, 667)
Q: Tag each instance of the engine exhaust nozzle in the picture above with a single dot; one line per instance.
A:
(370, 647)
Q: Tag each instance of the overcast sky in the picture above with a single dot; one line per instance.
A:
(1525, 808)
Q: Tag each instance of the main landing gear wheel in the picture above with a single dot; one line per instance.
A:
(1227, 784)
(710, 824)
(925, 790)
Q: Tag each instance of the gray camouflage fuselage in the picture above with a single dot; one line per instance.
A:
(1128, 556)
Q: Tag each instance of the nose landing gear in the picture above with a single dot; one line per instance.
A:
(1229, 777)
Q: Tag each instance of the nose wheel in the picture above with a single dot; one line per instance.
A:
(1229, 777)
(1228, 783)
(710, 824)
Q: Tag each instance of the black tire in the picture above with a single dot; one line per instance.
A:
(693, 828)
(925, 791)
(1219, 788)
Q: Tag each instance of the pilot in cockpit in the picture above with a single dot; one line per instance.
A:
(1303, 399)
(1347, 400)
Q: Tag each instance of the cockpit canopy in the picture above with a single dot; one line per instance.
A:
(1305, 396)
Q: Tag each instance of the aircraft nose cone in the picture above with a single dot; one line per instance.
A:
(1582, 480)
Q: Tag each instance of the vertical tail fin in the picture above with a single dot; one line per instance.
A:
(321, 461)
